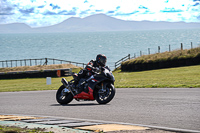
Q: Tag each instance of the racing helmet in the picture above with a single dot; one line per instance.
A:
(101, 59)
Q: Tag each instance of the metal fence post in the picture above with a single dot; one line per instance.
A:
(181, 46)
(46, 61)
(149, 50)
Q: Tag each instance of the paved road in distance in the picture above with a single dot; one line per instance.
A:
(166, 107)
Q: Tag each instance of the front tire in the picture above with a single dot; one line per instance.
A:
(107, 96)
(63, 97)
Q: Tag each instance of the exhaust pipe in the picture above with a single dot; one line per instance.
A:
(65, 83)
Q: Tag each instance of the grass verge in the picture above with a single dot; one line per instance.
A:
(38, 67)
(6, 129)
(166, 56)
(161, 78)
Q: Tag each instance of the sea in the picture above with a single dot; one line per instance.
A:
(84, 46)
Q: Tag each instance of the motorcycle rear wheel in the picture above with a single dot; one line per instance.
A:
(63, 97)
(106, 97)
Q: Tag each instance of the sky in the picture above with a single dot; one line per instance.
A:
(40, 13)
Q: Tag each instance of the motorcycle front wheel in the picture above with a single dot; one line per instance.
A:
(63, 97)
(107, 96)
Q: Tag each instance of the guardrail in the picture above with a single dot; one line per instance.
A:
(35, 62)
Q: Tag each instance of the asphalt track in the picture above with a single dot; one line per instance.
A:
(165, 107)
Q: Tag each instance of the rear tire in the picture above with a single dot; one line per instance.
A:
(106, 97)
(62, 97)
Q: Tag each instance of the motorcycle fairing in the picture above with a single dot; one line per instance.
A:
(89, 96)
(83, 95)
(97, 79)
(91, 86)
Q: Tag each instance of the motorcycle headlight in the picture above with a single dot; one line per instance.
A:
(108, 75)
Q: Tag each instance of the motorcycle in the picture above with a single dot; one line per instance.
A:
(99, 87)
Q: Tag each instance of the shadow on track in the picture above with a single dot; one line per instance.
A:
(83, 104)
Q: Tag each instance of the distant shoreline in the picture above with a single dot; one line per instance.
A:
(97, 23)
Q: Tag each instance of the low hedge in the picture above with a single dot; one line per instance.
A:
(36, 74)
(175, 58)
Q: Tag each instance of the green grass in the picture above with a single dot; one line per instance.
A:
(172, 77)
(29, 84)
(6, 129)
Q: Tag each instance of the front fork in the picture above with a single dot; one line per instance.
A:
(103, 89)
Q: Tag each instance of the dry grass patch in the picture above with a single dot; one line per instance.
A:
(39, 67)
(158, 57)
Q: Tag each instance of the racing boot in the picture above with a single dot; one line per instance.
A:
(75, 86)
(85, 87)
(78, 87)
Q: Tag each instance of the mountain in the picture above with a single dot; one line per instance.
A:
(15, 28)
(98, 22)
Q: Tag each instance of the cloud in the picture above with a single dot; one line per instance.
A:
(85, 1)
(43, 12)
(49, 13)
(171, 10)
(42, 6)
(118, 7)
(126, 14)
(6, 8)
(142, 7)
(196, 4)
(84, 12)
(110, 12)
(98, 11)
(27, 11)
(69, 13)
(54, 6)
(64, 12)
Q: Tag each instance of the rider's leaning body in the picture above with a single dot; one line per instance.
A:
(92, 66)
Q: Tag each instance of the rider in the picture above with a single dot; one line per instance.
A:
(93, 65)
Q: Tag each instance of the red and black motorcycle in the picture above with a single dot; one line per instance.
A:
(99, 87)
